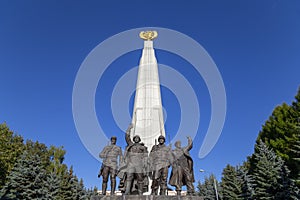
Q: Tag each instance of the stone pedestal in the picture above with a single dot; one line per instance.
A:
(146, 197)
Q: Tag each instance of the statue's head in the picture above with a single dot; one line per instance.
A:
(161, 139)
(113, 139)
(136, 139)
(178, 144)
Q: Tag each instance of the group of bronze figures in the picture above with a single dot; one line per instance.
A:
(138, 164)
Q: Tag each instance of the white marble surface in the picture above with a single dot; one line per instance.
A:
(147, 118)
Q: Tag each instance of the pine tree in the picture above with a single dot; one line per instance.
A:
(287, 187)
(280, 134)
(207, 189)
(296, 152)
(75, 187)
(34, 171)
(247, 186)
(11, 147)
(65, 190)
(82, 192)
(231, 184)
(26, 180)
(70, 187)
(296, 104)
(92, 192)
(53, 184)
(40, 149)
(266, 172)
(57, 156)
(270, 175)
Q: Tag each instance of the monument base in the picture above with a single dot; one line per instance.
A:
(145, 197)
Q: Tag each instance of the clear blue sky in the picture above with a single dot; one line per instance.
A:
(255, 45)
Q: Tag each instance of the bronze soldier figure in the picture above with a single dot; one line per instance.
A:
(136, 158)
(110, 164)
(182, 168)
(160, 160)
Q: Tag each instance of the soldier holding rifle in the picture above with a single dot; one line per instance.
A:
(110, 164)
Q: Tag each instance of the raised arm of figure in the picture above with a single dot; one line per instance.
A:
(127, 135)
(190, 143)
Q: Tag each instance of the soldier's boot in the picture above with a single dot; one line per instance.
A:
(113, 187)
(163, 188)
(140, 188)
(190, 189)
(162, 191)
(104, 186)
(154, 191)
(128, 187)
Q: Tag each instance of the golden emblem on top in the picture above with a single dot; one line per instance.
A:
(148, 35)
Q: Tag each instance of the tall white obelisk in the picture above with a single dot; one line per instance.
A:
(147, 118)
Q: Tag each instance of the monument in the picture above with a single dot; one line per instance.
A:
(147, 116)
(146, 128)
(110, 155)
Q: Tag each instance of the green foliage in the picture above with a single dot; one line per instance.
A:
(39, 149)
(91, 193)
(82, 193)
(296, 104)
(27, 179)
(53, 186)
(287, 187)
(71, 188)
(57, 156)
(266, 171)
(296, 154)
(34, 171)
(231, 184)
(247, 183)
(207, 189)
(270, 175)
(11, 147)
(280, 133)
(237, 183)
(273, 171)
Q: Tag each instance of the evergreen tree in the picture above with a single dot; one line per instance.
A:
(57, 156)
(247, 186)
(287, 187)
(266, 172)
(296, 152)
(65, 190)
(11, 147)
(231, 184)
(82, 192)
(75, 188)
(40, 149)
(280, 133)
(207, 189)
(296, 104)
(270, 175)
(53, 185)
(26, 180)
(34, 171)
(92, 193)
(70, 187)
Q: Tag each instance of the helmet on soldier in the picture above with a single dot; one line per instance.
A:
(113, 138)
(161, 137)
(136, 139)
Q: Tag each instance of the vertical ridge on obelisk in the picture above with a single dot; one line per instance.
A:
(147, 118)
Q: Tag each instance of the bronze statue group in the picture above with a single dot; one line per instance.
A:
(138, 164)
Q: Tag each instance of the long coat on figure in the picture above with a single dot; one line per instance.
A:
(182, 168)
